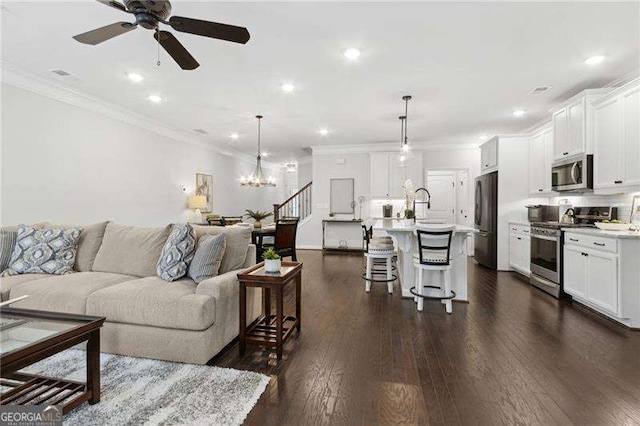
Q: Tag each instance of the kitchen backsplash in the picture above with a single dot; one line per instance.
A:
(621, 201)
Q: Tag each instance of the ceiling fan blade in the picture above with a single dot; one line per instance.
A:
(105, 33)
(210, 29)
(176, 50)
(114, 4)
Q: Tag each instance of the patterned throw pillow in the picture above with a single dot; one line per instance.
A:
(208, 257)
(44, 251)
(7, 243)
(177, 252)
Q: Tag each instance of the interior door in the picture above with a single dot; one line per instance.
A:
(463, 213)
(441, 186)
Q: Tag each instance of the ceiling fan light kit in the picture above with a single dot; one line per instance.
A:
(149, 14)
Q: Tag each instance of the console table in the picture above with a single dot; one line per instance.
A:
(342, 235)
(269, 330)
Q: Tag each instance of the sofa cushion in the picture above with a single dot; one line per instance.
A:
(88, 245)
(7, 283)
(64, 293)
(130, 250)
(44, 251)
(177, 252)
(7, 243)
(154, 302)
(237, 243)
(208, 257)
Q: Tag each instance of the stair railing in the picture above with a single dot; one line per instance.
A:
(298, 205)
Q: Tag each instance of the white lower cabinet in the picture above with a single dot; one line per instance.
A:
(575, 273)
(591, 272)
(602, 280)
(519, 248)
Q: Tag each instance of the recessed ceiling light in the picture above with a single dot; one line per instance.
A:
(234, 136)
(288, 87)
(324, 132)
(594, 60)
(352, 54)
(136, 78)
(155, 98)
(519, 112)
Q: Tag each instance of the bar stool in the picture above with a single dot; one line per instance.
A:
(434, 254)
(379, 253)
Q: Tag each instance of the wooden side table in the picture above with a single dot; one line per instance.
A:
(269, 330)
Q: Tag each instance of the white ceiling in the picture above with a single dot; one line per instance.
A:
(468, 66)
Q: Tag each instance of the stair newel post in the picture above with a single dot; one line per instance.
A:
(276, 209)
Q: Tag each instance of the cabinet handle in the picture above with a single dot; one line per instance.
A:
(573, 239)
(617, 182)
(585, 254)
(540, 190)
(519, 238)
(486, 165)
(514, 229)
(599, 244)
(565, 153)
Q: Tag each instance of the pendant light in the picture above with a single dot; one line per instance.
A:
(405, 151)
(257, 179)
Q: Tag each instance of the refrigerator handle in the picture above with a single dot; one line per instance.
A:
(478, 202)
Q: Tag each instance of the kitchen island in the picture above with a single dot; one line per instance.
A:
(407, 242)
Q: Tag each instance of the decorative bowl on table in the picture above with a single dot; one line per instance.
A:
(612, 226)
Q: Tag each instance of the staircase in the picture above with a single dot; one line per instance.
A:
(298, 205)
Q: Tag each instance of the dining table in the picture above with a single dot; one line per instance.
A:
(257, 238)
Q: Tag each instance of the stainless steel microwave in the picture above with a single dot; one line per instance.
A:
(573, 174)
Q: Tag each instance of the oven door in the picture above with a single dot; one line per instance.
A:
(545, 257)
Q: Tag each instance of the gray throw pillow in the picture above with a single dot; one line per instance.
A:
(7, 243)
(177, 252)
(208, 257)
(44, 251)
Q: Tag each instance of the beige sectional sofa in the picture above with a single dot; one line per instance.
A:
(146, 316)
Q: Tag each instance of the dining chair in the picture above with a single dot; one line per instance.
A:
(284, 242)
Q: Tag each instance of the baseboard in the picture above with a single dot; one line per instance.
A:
(311, 247)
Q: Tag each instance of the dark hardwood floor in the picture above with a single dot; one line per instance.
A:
(513, 355)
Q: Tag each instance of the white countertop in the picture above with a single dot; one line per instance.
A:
(600, 233)
(519, 222)
(400, 226)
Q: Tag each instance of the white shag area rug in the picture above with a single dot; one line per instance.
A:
(139, 391)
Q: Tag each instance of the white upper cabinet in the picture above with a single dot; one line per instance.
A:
(572, 122)
(616, 134)
(540, 159)
(388, 174)
(379, 170)
(489, 156)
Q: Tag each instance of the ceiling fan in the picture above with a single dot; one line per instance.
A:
(149, 14)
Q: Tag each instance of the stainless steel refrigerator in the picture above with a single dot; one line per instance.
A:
(486, 220)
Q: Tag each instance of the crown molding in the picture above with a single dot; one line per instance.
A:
(386, 147)
(20, 78)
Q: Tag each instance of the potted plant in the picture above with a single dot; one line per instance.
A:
(272, 262)
(258, 216)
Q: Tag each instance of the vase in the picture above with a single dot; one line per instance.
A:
(272, 265)
(257, 224)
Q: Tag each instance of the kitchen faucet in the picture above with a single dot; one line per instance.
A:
(428, 202)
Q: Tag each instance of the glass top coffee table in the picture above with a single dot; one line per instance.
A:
(28, 336)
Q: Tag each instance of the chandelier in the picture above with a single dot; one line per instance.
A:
(257, 179)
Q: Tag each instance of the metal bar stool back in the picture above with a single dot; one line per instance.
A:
(434, 254)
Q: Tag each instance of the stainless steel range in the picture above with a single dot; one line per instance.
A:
(547, 242)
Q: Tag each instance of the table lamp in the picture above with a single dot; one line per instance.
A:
(197, 202)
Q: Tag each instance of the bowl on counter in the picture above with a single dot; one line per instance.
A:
(613, 226)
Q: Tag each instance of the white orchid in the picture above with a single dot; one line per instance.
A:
(409, 191)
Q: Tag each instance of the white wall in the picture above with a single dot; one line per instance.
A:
(356, 166)
(305, 171)
(65, 164)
